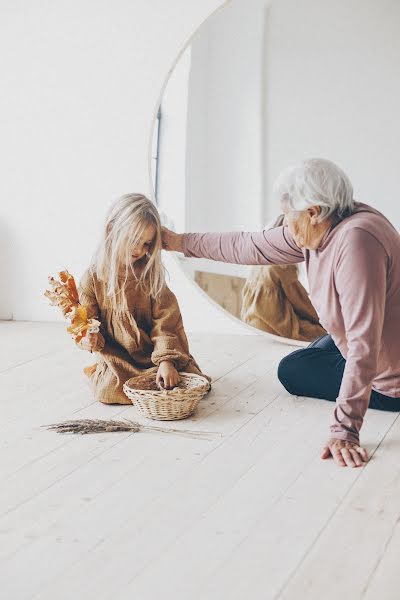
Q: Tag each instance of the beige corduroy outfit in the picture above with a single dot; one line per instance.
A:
(274, 300)
(138, 336)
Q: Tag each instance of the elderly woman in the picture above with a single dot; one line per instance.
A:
(352, 256)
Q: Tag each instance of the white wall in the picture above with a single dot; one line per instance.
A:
(333, 90)
(80, 86)
(171, 195)
(224, 166)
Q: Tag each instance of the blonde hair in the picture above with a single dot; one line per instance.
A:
(125, 224)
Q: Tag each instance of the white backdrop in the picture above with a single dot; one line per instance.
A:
(270, 87)
(333, 90)
(81, 82)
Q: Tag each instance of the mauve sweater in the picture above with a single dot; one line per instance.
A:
(354, 279)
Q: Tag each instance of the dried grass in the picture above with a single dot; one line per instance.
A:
(85, 426)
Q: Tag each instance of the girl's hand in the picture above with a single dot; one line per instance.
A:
(92, 342)
(167, 375)
(171, 240)
(345, 454)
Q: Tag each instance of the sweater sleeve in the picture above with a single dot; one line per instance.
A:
(268, 247)
(87, 295)
(167, 332)
(360, 279)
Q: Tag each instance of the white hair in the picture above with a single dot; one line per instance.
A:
(315, 182)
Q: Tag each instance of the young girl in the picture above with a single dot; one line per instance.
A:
(125, 290)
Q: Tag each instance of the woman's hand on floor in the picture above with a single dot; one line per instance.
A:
(167, 375)
(171, 240)
(93, 342)
(345, 454)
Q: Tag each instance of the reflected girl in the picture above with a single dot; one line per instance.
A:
(274, 300)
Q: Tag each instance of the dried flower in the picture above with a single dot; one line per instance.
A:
(64, 294)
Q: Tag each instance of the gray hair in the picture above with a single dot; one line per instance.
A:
(316, 182)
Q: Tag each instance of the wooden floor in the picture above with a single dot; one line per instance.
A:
(252, 513)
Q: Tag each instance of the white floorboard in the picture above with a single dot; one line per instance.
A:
(251, 512)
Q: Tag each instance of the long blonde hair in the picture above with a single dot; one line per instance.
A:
(125, 224)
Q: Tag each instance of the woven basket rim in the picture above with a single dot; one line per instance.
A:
(177, 403)
(201, 378)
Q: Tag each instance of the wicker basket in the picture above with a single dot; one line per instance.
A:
(166, 405)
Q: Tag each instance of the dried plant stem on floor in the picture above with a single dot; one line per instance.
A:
(84, 426)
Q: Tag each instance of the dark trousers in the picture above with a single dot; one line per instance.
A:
(317, 371)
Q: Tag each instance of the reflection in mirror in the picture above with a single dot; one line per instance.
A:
(261, 86)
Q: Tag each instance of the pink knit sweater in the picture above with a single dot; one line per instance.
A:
(354, 279)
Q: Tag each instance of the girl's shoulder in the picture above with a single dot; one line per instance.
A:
(89, 281)
(89, 274)
(165, 299)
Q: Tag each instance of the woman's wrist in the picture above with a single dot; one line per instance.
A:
(172, 241)
(180, 242)
(176, 243)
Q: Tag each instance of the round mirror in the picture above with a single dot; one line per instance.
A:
(260, 86)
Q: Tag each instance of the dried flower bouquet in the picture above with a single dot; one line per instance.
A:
(64, 294)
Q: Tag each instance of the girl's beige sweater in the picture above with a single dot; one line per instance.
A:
(138, 336)
(275, 301)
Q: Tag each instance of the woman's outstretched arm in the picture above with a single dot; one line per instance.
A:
(267, 247)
